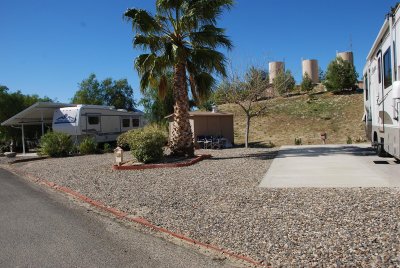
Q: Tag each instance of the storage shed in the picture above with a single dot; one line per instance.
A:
(209, 124)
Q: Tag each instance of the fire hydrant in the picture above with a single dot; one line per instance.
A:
(119, 155)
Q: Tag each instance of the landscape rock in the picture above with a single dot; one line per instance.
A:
(10, 154)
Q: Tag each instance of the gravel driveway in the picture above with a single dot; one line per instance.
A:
(218, 201)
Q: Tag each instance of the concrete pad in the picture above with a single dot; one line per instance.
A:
(327, 166)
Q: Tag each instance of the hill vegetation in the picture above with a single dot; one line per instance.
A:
(306, 117)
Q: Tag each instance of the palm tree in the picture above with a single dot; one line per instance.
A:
(183, 38)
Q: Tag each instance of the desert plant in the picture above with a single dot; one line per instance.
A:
(307, 84)
(88, 146)
(107, 148)
(123, 139)
(55, 144)
(349, 140)
(147, 144)
(297, 141)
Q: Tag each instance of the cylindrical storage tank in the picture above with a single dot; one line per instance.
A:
(274, 68)
(347, 56)
(311, 68)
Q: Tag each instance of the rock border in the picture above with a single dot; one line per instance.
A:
(166, 165)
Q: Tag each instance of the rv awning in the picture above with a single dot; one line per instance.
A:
(38, 113)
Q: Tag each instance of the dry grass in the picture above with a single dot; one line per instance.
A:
(305, 117)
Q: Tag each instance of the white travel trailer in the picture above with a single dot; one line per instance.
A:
(104, 123)
(382, 88)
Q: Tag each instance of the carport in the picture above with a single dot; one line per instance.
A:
(40, 113)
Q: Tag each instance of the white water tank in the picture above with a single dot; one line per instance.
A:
(275, 67)
(346, 56)
(311, 68)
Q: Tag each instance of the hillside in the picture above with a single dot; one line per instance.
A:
(305, 117)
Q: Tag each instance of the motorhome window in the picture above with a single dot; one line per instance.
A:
(125, 122)
(135, 122)
(379, 70)
(387, 68)
(93, 120)
(366, 87)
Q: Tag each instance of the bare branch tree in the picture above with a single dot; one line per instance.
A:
(247, 92)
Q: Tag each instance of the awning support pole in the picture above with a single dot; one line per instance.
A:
(23, 139)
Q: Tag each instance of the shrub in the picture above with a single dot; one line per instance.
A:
(297, 141)
(349, 140)
(124, 138)
(307, 83)
(55, 144)
(147, 144)
(88, 146)
(107, 148)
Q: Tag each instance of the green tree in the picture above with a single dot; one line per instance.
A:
(321, 75)
(109, 92)
(89, 92)
(340, 75)
(183, 38)
(118, 93)
(284, 82)
(307, 83)
(157, 107)
(246, 93)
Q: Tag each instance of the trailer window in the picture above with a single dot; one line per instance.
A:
(366, 87)
(93, 120)
(379, 70)
(135, 122)
(125, 122)
(387, 68)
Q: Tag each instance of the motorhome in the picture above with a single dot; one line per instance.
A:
(103, 123)
(382, 88)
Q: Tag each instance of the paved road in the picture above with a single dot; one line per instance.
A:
(40, 228)
(354, 165)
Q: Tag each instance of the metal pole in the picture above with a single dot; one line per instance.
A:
(42, 123)
(23, 139)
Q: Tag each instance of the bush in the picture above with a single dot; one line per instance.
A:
(349, 140)
(88, 146)
(307, 83)
(297, 141)
(124, 138)
(147, 144)
(107, 148)
(55, 144)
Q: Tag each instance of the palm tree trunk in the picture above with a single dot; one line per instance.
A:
(181, 140)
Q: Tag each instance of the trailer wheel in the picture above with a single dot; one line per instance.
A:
(380, 150)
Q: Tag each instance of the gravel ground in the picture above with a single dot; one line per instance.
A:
(218, 201)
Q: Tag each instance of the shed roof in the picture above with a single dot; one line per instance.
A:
(36, 114)
(202, 113)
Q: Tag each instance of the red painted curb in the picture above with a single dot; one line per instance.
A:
(142, 221)
(166, 165)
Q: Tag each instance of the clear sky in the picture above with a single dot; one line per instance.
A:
(48, 46)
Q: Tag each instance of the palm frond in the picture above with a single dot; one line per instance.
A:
(204, 85)
(209, 60)
(142, 21)
(211, 36)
